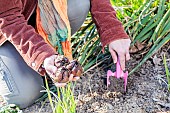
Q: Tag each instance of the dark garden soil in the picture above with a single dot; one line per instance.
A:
(146, 90)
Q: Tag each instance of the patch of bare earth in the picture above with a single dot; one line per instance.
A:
(146, 90)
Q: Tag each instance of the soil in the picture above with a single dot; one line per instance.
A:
(147, 90)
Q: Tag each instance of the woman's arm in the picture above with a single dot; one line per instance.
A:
(109, 27)
(111, 30)
(28, 43)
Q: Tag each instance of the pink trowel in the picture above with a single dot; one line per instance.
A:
(118, 74)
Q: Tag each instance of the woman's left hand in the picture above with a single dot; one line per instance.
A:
(61, 70)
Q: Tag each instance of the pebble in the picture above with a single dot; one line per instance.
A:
(109, 106)
(117, 99)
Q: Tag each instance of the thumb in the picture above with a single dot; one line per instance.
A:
(114, 55)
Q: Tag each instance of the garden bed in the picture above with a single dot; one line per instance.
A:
(146, 90)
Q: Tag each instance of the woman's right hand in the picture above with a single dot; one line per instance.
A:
(61, 70)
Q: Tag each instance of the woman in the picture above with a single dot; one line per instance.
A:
(56, 20)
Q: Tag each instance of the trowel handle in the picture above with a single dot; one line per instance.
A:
(119, 70)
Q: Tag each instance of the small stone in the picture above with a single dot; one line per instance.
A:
(109, 106)
(117, 99)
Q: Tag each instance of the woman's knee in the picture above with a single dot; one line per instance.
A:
(77, 12)
(77, 8)
(19, 84)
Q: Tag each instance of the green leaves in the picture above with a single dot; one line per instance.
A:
(11, 108)
(63, 99)
(145, 21)
(167, 72)
(154, 48)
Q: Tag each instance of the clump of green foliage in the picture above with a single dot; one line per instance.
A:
(63, 101)
(11, 108)
(146, 22)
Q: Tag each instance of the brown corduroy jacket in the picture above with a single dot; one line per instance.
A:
(14, 15)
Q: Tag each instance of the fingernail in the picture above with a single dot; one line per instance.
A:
(114, 61)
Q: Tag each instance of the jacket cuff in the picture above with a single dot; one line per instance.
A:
(37, 62)
(113, 34)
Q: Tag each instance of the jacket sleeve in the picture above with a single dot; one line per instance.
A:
(28, 43)
(108, 26)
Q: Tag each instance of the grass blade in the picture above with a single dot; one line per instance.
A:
(167, 72)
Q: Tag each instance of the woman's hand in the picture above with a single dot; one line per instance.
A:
(120, 48)
(61, 70)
